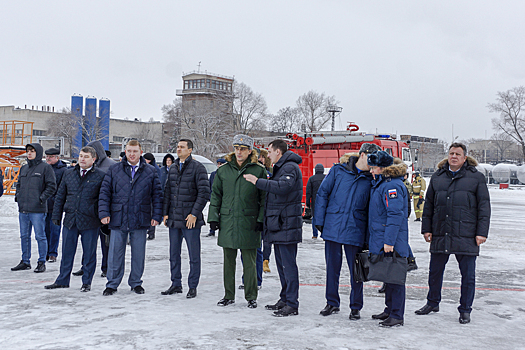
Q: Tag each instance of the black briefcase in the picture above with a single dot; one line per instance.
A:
(361, 266)
(388, 269)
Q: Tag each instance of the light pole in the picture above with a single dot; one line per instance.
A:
(333, 110)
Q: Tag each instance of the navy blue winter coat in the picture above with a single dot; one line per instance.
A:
(283, 220)
(457, 209)
(342, 203)
(130, 204)
(77, 196)
(186, 192)
(388, 210)
(59, 168)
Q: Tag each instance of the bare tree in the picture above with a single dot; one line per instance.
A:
(503, 144)
(249, 109)
(312, 108)
(286, 120)
(65, 124)
(510, 104)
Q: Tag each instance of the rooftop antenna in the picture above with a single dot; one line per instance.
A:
(334, 110)
(199, 65)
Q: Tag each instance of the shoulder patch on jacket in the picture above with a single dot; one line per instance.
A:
(392, 193)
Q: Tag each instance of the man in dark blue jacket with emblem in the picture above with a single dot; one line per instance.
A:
(283, 221)
(341, 214)
(130, 201)
(77, 196)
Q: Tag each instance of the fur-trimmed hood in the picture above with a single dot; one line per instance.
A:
(345, 158)
(470, 161)
(267, 162)
(253, 157)
(398, 169)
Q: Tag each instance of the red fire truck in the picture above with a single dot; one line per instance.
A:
(326, 147)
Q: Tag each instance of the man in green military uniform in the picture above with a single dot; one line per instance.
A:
(237, 211)
(419, 186)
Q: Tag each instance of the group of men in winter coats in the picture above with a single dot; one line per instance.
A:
(362, 201)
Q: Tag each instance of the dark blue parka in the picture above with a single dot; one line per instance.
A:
(77, 196)
(388, 210)
(131, 204)
(186, 192)
(342, 203)
(283, 221)
(457, 209)
(59, 168)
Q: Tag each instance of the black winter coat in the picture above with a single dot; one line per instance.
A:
(59, 168)
(312, 186)
(283, 221)
(186, 192)
(36, 183)
(131, 204)
(77, 196)
(103, 161)
(457, 209)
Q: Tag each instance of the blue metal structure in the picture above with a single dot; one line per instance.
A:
(103, 122)
(77, 107)
(90, 120)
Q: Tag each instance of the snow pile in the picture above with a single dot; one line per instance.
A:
(8, 206)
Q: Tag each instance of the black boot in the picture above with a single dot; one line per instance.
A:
(225, 302)
(21, 266)
(411, 264)
(382, 289)
(277, 306)
(464, 317)
(328, 310)
(172, 290)
(41, 267)
(286, 311)
(79, 272)
(425, 310)
(354, 315)
(391, 322)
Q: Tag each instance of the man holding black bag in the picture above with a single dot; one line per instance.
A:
(341, 213)
(388, 229)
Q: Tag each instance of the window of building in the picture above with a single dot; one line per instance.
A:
(229, 86)
(118, 138)
(208, 83)
(39, 132)
(213, 84)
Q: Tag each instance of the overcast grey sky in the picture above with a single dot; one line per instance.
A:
(413, 67)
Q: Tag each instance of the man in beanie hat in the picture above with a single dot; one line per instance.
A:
(388, 226)
(312, 187)
(341, 214)
(36, 183)
(237, 211)
(52, 230)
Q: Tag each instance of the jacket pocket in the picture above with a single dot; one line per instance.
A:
(467, 224)
(116, 214)
(145, 215)
(274, 221)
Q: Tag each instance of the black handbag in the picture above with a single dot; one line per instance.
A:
(361, 267)
(388, 269)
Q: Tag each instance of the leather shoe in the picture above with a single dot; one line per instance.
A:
(391, 322)
(252, 304)
(109, 291)
(41, 267)
(55, 286)
(286, 311)
(382, 289)
(52, 259)
(192, 293)
(104, 274)
(21, 266)
(138, 290)
(172, 290)
(85, 288)
(328, 310)
(464, 317)
(354, 315)
(78, 273)
(425, 310)
(277, 306)
(382, 316)
(225, 302)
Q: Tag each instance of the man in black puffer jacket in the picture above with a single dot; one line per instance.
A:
(36, 183)
(77, 196)
(312, 186)
(130, 201)
(186, 193)
(456, 220)
(283, 221)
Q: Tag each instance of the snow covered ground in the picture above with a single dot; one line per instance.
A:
(34, 318)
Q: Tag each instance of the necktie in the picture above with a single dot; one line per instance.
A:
(181, 166)
(83, 172)
(133, 171)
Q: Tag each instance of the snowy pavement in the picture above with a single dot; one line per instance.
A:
(34, 318)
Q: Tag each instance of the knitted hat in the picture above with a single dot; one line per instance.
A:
(380, 159)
